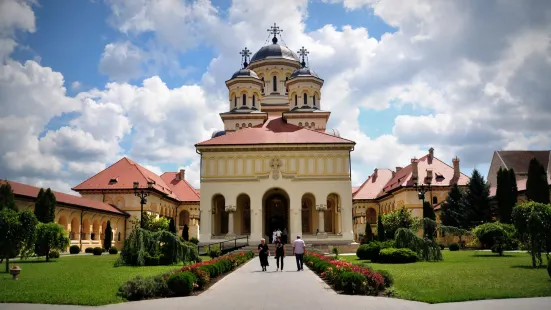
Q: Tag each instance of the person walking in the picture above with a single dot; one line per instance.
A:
(299, 249)
(263, 252)
(274, 236)
(279, 253)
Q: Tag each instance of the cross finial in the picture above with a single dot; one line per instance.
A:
(245, 53)
(303, 53)
(275, 31)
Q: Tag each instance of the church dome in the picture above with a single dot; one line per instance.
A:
(304, 72)
(274, 51)
(245, 73)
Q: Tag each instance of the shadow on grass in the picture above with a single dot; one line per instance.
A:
(31, 261)
(528, 267)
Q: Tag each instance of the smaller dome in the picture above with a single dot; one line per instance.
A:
(304, 72)
(245, 73)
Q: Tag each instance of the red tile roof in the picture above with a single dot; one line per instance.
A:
(181, 188)
(275, 131)
(28, 191)
(371, 188)
(355, 189)
(124, 172)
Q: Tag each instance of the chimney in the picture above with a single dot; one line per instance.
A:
(182, 174)
(456, 171)
(414, 170)
(428, 178)
(374, 175)
(398, 169)
(431, 155)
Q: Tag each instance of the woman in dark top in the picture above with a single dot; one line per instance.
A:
(279, 253)
(263, 252)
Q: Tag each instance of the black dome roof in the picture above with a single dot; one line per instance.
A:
(274, 51)
(304, 72)
(245, 73)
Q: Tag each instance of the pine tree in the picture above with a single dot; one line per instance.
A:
(477, 200)
(514, 187)
(45, 206)
(7, 200)
(108, 236)
(503, 195)
(428, 211)
(453, 211)
(368, 236)
(380, 229)
(537, 187)
(185, 233)
(172, 226)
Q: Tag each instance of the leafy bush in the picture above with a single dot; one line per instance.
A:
(214, 251)
(113, 250)
(394, 220)
(371, 250)
(397, 256)
(74, 249)
(97, 251)
(141, 288)
(353, 283)
(389, 279)
(454, 246)
(50, 236)
(194, 240)
(496, 236)
(426, 249)
(89, 250)
(54, 254)
(533, 223)
(181, 284)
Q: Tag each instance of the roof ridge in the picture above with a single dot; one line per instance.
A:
(73, 188)
(361, 186)
(319, 132)
(192, 188)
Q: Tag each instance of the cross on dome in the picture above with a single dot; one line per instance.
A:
(303, 53)
(275, 31)
(245, 54)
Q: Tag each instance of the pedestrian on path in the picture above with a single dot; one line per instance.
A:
(298, 250)
(279, 253)
(263, 252)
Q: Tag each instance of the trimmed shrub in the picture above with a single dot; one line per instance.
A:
(74, 249)
(389, 280)
(194, 240)
(454, 247)
(353, 283)
(113, 250)
(97, 251)
(181, 284)
(397, 256)
(54, 254)
(141, 288)
(89, 250)
(371, 250)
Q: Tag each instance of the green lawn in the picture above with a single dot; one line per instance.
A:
(467, 275)
(83, 280)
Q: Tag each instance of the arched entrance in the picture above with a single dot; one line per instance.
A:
(275, 211)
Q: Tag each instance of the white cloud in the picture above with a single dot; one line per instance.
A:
(122, 61)
(76, 85)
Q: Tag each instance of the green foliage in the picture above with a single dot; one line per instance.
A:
(533, 223)
(108, 236)
(17, 234)
(89, 250)
(381, 236)
(389, 279)
(53, 254)
(335, 251)
(371, 250)
(97, 251)
(454, 246)
(50, 236)
(163, 245)
(181, 284)
(477, 200)
(549, 268)
(428, 211)
(429, 228)
(537, 187)
(368, 236)
(214, 251)
(7, 200)
(44, 208)
(426, 249)
(185, 234)
(141, 288)
(352, 283)
(194, 240)
(172, 226)
(453, 211)
(496, 236)
(506, 194)
(113, 250)
(397, 256)
(74, 249)
(397, 219)
(153, 223)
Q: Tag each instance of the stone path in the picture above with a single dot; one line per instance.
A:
(249, 288)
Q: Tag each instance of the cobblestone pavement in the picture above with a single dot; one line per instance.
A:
(249, 288)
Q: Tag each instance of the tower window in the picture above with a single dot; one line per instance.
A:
(274, 81)
(244, 99)
(314, 100)
(296, 100)
(434, 200)
(254, 100)
(305, 99)
(235, 101)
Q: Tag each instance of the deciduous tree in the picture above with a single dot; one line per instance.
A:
(17, 234)
(537, 187)
(50, 236)
(7, 199)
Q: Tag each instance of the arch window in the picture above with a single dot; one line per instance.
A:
(235, 101)
(274, 82)
(250, 125)
(306, 124)
(305, 99)
(237, 126)
(296, 99)
(244, 99)
(254, 100)
(313, 125)
(243, 125)
(314, 100)
(300, 124)
(434, 200)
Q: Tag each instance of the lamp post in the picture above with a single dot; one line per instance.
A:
(422, 189)
(142, 195)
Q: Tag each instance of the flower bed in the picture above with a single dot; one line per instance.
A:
(183, 281)
(346, 277)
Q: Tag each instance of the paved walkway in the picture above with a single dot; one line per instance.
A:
(249, 288)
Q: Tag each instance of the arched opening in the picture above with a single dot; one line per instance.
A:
(305, 99)
(275, 214)
(95, 230)
(308, 206)
(330, 216)
(86, 229)
(313, 125)
(296, 99)
(306, 125)
(235, 101)
(434, 200)
(371, 216)
(314, 100)
(254, 100)
(242, 218)
(300, 124)
(244, 99)
(75, 228)
(274, 82)
(219, 215)
(63, 222)
(250, 125)
(183, 218)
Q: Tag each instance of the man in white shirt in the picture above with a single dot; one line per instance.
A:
(299, 250)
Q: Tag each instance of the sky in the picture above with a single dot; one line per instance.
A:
(85, 82)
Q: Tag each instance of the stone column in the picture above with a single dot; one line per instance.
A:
(231, 210)
(256, 219)
(295, 212)
(321, 208)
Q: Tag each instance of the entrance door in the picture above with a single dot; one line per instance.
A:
(276, 214)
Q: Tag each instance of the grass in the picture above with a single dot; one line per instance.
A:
(467, 275)
(77, 280)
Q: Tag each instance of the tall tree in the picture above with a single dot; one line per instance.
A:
(452, 211)
(504, 195)
(172, 226)
(368, 236)
(108, 236)
(6, 197)
(44, 208)
(17, 234)
(514, 187)
(380, 228)
(429, 227)
(50, 236)
(185, 233)
(428, 211)
(537, 187)
(477, 200)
